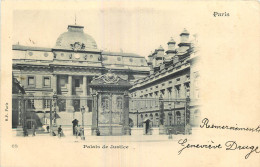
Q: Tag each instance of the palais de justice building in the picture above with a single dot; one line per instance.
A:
(74, 68)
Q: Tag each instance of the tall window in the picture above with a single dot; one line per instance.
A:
(178, 117)
(177, 91)
(77, 83)
(170, 119)
(187, 90)
(76, 105)
(105, 104)
(30, 102)
(46, 103)
(169, 92)
(31, 81)
(46, 81)
(62, 82)
(62, 104)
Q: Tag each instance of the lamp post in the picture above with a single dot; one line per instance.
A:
(83, 111)
(55, 106)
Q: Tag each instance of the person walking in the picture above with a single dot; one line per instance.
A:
(59, 131)
(77, 130)
(48, 128)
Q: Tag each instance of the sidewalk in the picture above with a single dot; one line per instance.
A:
(135, 138)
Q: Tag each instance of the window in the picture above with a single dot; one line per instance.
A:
(170, 119)
(77, 83)
(46, 81)
(169, 92)
(62, 104)
(177, 91)
(62, 82)
(31, 81)
(30, 102)
(187, 90)
(76, 105)
(178, 117)
(46, 103)
(105, 104)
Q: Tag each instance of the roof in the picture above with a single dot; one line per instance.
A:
(121, 54)
(25, 48)
(75, 39)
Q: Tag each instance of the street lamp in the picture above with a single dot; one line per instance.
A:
(83, 111)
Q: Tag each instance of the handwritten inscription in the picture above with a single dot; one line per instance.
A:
(205, 124)
(229, 145)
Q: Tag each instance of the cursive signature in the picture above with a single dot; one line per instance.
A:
(229, 145)
(232, 145)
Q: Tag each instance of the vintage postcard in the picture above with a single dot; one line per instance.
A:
(130, 84)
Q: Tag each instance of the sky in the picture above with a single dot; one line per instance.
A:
(135, 30)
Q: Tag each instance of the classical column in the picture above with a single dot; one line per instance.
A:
(69, 85)
(69, 101)
(161, 116)
(85, 79)
(94, 126)
(126, 114)
(83, 101)
(54, 83)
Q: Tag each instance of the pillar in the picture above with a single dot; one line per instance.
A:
(54, 83)
(126, 114)
(94, 126)
(161, 116)
(83, 101)
(69, 106)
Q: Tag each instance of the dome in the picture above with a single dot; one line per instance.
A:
(76, 39)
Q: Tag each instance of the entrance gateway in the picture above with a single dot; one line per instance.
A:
(110, 114)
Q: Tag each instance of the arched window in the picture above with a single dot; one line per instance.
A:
(151, 117)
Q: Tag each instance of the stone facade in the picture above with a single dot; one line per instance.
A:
(174, 77)
(66, 70)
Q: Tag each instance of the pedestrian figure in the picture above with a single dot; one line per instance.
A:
(77, 130)
(82, 133)
(75, 123)
(59, 131)
(33, 130)
(48, 128)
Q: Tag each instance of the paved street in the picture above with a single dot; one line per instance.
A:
(135, 138)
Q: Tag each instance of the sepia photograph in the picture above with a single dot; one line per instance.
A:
(130, 83)
(77, 87)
